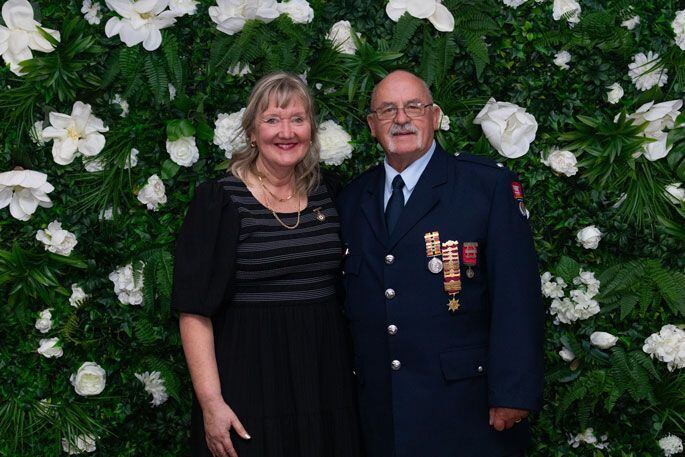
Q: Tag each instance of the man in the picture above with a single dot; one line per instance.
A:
(442, 291)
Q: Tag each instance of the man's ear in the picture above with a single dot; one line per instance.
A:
(372, 125)
(437, 115)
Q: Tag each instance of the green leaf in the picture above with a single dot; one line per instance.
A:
(179, 128)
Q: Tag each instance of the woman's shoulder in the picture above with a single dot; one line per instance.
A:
(332, 182)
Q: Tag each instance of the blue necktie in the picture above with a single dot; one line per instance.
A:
(395, 204)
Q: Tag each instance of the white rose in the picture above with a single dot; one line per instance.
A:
(675, 193)
(80, 444)
(678, 26)
(44, 321)
(589, 237)
(668, 346)
(152, 194)
(561, 59)
(671, 445)
(562, 162)
(508, 127)
(78, 296)
(645, 73)
(566, 354)
(57, 240)
(433, 10)
(335, 143)
(183, 151)
(24, 191)
(603, 340)
(154, 385)
(514, 3)
(228, 132)
(615, 93)
(340, 35)
(128, 284)
(631, 23)
(49, 348)
(89, 379)
(183, 7)
(298, 10)
(563, 8)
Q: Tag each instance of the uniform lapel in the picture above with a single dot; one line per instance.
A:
(424, 197)
(372, 205)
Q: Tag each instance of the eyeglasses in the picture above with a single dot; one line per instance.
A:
(412, 110)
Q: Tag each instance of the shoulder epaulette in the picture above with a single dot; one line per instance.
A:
(480, 160)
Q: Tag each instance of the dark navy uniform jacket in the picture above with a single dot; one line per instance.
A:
(428, 376)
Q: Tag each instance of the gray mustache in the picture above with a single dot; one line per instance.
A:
(396, 129)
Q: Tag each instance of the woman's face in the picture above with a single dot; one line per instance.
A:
(283, 135)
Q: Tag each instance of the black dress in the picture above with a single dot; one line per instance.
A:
(281, 341)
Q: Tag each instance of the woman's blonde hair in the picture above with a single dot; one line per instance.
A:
(279, 88)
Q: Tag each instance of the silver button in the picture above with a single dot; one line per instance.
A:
(395, 365)
(480, 369)
(389, 259)
(389, 294)
(392, 329)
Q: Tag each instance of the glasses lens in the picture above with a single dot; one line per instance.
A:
(414, 110)
(387, 113)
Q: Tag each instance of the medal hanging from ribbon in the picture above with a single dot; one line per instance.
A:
(451, 272)
(469, 256)
(432, 240)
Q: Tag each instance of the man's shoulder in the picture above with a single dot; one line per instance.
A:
(477, 161)
(358, 183)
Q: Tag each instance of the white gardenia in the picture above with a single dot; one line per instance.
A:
(671, 445)
(78, 132)
(78, 296)
(433, 10)
(93, 165)
(56, 239)
(128, 285)
(91, 12)
(140, 21)
(20, 34)
(49, 348)
(561, 59)
(514, 3)
(298, 10)
(615, 93)
(587, 278)
(603, 340)
(231, 15)
(340, 35)
(154, 385)
(667, 346)
(631, 23)
(552, 289)
(678, 26)
(183, 7)
(132, 160)
(675, 193)
(658, 117)
(589, 237)
(183, 151)
(643, 72)
(508, 127)
(153, 193)
(24, 191)
(239, 70)
(335, 143)
(44, 321)
(588, 436)
(228, 132)
(81, 444)
(90, 379)
(571, 8)
(562, 162)
(567, 355)
(578, 307)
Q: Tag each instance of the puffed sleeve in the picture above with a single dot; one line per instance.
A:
(517, 315)
(204, 259)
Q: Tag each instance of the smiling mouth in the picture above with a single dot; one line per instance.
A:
(286, 146)
(403, 133)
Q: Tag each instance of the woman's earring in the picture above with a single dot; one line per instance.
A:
(253, 144)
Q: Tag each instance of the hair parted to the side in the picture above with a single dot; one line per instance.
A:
(279, 88)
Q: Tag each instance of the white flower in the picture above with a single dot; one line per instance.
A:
(123, 104)
(81, 443)
(340, 35)
(298, 10)
(671, 445)
(78, 132)
(140, 22)
(552, 289)
(508, 127)
(589, 237)
(659, 116)
(154, 385)
(152, 194)
(561, 59)
(78, 296)
(579, 306)
(91, 12)
(36, 133)
(183, 7)
(106, 214)
(20, 34)
(588, 279)
(44, 321)
(444, 121)
(335, 143)
(562, 162)
(588, 437)
(514, 3)
(667, 346)
(231, 15)
(172, 91)
(183, 151)
(128, 284)
(433, 10)
(49, 348)
(132, 160)
(678, 26)
(239, 70)
(24, 191)
(93, 165)
(56, 239)
(570, 9)
(566, 354)
(675, 193)
(228, 132)
(615, 93)
(631, 23)
(89, 380)
(644, 72)
(603, 340)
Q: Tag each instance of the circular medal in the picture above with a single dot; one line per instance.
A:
(470, 273)
(320, 217)
(435, 265)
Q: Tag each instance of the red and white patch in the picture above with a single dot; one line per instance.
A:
(517, 189)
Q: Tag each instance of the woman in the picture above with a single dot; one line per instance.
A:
(255, 281)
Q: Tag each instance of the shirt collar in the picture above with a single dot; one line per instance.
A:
(411, 174)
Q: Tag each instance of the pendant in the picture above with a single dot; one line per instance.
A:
(470, 273)
(435, 265)
(319, 215)
(453, 304)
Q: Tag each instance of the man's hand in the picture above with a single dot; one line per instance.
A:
(505, 418)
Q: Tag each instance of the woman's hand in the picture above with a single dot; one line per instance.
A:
(219, 419)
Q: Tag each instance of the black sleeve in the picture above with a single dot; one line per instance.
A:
(204, 260)
(332, 182)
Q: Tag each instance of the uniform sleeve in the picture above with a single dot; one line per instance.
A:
(204, 259)
(515, 361)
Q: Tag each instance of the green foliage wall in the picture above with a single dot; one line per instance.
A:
(494, 51)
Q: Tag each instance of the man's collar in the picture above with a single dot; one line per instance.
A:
(412, 173)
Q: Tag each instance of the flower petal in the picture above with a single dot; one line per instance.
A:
(18, 14)
(112, 27)
(5, 196)
(421, 9)
(92, 144)
(60, 120)
(131, 36)
(64, 151)
(395, 9)
(18, 41)
(37, 42)
(153, 40)
(17, 212)
(442, 19)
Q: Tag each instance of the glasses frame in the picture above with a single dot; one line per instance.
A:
(404, 109)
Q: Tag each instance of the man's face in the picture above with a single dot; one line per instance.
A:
(403, 138)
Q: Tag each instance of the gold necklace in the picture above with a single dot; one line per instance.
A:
(289, 227)
(259, 176)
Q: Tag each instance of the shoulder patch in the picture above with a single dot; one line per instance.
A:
(480, 160)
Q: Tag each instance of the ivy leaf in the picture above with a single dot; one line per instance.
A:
(169, 169)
